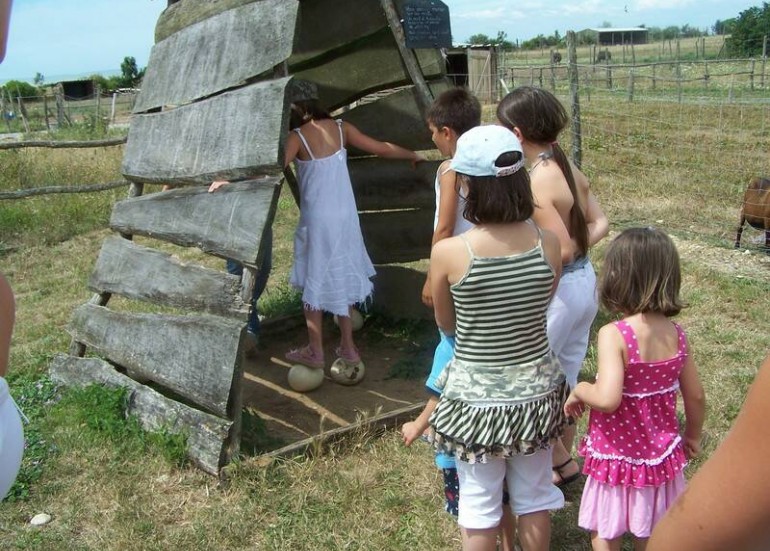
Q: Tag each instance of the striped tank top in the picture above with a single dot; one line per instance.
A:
(500, 307)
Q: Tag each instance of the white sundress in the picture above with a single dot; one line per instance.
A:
(331, 265)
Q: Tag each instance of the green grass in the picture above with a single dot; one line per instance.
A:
(109, 485)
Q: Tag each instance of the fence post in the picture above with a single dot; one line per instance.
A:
(764, 60)
(531, 76)
(706, 75)
(751, 75)
(98, 93)
(572, 69)
(553, 77)
(633, 52)
(609, 77)
(4, 110)
(540, 77)
(679, 79)
(112, 108)
(631, 85)
(59, 108)
(45, 112)
(653, 75)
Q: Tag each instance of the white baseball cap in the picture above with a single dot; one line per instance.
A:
(478, 150)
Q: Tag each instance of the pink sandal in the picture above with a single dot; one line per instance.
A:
(351, 357)
(305, 356)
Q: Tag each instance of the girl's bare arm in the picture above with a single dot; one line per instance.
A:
(7, 315)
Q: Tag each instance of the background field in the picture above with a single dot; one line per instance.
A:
(681, 166)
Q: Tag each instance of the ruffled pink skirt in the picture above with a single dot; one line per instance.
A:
(614, 510)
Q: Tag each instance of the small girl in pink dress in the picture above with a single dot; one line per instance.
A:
(634, 454)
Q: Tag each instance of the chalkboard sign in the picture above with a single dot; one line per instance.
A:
(426, 24)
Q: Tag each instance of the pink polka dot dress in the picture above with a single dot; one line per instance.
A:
(634, 458)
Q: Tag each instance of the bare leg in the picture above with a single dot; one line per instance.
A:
(561, 459)
(314, 321)
(640, 544)
(535, 531)
(507, 529)
(568, 438)
(346, 332)
(599, 544)
(479, 540)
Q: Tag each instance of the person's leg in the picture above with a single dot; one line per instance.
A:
(533, 496)
(599, 544)
(260, 282)
(640, 544)
(347, 349)
(565, 468)
(535, 531)
(314, 322)
(507, 530)
(481, 502)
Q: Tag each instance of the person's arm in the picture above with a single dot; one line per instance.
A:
(7, 315)
(694, 407)
(606, 393)
(552, 250)
(445, 226)
(412, 430)
(727, 503)
(387, 150)
(443, 307)
(598, 225)
(548, 218)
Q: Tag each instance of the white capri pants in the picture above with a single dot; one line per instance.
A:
(11, 440)
(569, 318)
(529, 486)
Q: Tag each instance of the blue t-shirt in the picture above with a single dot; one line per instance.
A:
(441, 357)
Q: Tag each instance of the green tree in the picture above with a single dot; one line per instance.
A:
(724, 27)
(39, 79)
(748, 34)
(480, 39)
(130, 73)
(19, 88)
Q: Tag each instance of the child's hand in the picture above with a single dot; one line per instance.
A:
(216, 184)
(427, 298)
(691, 447)
(574, 407)
(410, 432)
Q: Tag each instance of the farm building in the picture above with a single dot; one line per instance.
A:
(474, 66)
(77, 89)
(619, 36)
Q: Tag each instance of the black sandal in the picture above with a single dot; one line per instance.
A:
(563, 481)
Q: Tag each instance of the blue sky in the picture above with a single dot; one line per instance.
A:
(67, 38)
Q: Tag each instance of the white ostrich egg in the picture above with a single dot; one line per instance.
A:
(304, 379)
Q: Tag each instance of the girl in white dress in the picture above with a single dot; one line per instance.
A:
(331, 265)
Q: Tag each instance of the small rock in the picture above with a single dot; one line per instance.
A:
(40, 519)
(658, 221)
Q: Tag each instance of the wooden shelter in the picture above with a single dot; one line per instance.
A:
(619, 36)
(475, 66)
(214, 104)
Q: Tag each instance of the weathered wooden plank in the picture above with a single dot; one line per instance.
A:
(397, 236)
(209, 438)
(382, 184)
(373, 64)
(195, 356)
(141, 273)
(218, 53)
(234, 135)
(395, 118)
(228, 223)
(397, 293)
(183, 14)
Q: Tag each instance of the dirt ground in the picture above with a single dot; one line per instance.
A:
(396, 364)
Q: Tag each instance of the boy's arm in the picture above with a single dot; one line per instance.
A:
(445, 227)
(412, 430)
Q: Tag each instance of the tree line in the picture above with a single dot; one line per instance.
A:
(130, 77)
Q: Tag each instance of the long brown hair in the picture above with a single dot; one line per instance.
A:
(306, 110)
(498, 200)
(540, 117)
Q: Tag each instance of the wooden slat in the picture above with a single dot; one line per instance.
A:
(397, 236)
(210, 440)
(234, 135)
(381, 184)
(195, 356)
(395, 118)
(228, 223)
(130, 270)
(218, 53)
(181, 15)
(373, 64)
